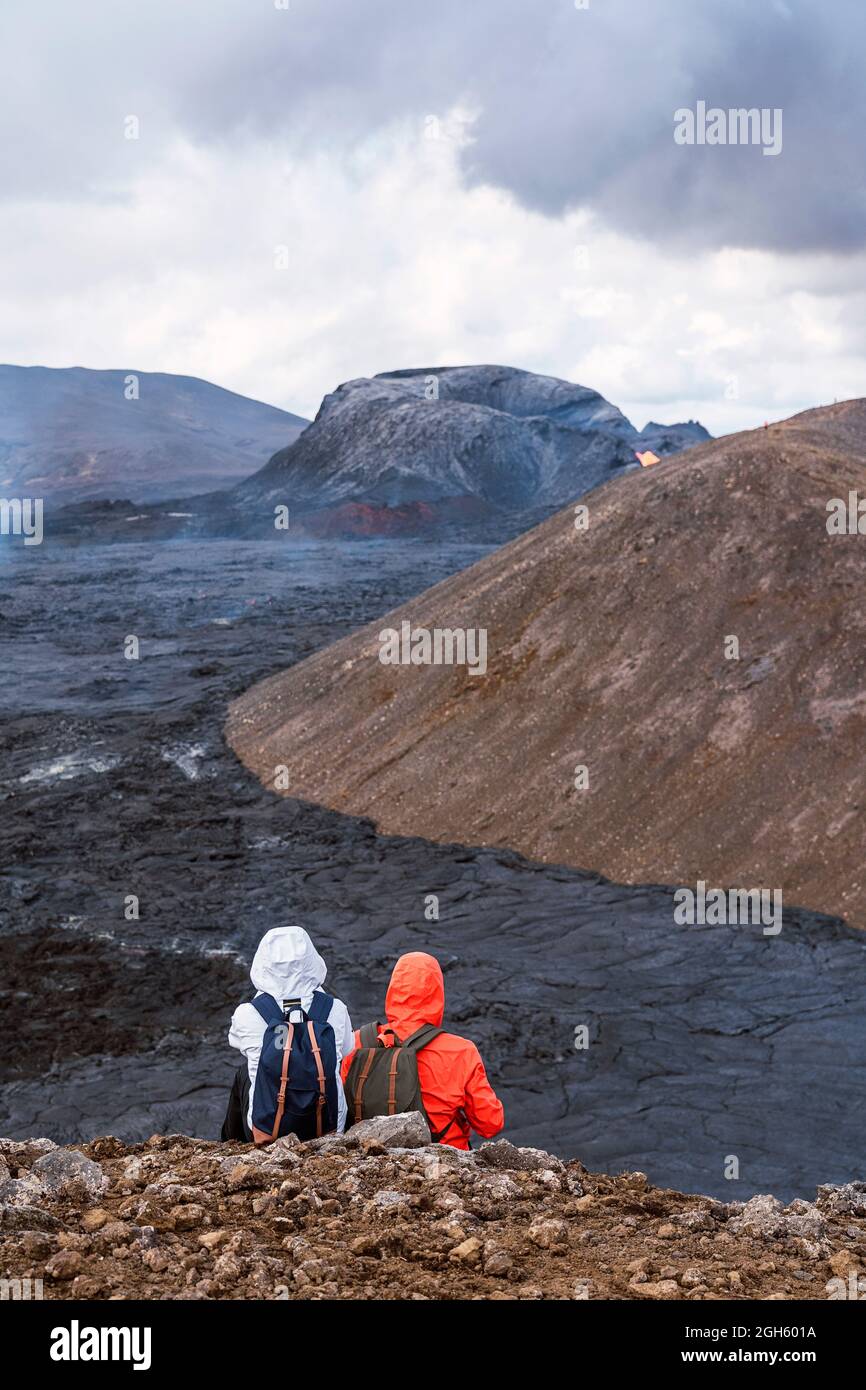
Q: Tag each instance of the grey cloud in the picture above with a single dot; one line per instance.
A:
(575, 107)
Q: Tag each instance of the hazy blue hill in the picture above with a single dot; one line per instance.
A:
(71, 433)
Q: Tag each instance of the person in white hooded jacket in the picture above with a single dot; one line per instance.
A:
(286, 966)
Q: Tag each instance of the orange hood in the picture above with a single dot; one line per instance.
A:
(416, 993)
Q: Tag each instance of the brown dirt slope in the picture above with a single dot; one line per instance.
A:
(183, 1218)
(607, 648)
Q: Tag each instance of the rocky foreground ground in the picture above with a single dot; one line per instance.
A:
(381, 1213)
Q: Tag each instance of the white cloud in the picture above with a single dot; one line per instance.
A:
(393, 261)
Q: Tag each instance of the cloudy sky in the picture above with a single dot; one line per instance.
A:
(325, 189)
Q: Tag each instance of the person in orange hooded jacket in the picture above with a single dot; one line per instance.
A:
(455, 1091)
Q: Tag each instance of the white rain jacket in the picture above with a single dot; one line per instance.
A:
(288, 966)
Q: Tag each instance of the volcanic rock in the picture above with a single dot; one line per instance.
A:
(672, 439)
(227, 1245)
(765, 1216)
(847, 1199)
(409, 1131)
(509, 439)
(68, 1173)
(58, 1173)
(502, 1154)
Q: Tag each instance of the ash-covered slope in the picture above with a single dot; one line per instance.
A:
(613, 648)
(71, 433)
(512, 439)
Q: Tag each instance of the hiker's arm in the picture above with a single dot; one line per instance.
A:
(482, 1106)
(344, 1037)
(347, 1046)
(246, 1030)
(345, 1041)
(347, 1057)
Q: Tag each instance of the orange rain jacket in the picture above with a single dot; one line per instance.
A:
(454, 1085)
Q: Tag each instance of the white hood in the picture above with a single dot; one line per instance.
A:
(287, 965)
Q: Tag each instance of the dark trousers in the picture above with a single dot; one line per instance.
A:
(235, 1123)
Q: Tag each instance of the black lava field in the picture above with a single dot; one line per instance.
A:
(704, 1043)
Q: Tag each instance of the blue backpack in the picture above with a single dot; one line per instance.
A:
(296, 1081)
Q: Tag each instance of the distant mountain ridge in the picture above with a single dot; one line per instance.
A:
(672, 439)
(480, 450)
(71, 433)
(511, 438)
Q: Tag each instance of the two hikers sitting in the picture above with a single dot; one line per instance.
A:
(307, 1073)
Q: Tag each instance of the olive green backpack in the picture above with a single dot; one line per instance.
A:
(383, 1080)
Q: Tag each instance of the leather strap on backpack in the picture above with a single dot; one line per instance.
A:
(284, 1082)
(322, 1101)
(362, 1081)
(392, 1081)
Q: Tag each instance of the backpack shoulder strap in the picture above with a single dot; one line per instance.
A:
(368, 1036)
(422, 1036)
(320, 1009)
(268, 1007)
